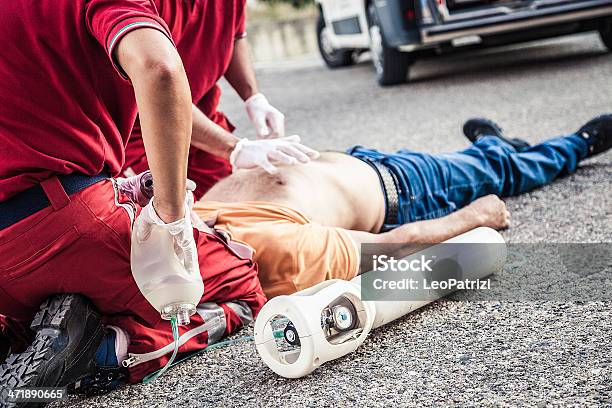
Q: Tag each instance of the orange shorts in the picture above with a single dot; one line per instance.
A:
(292, 252)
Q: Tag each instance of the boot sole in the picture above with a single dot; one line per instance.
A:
(25, 369)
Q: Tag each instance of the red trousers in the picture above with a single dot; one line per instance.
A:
(81, 244)
(204, 168)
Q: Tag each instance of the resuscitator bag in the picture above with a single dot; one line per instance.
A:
(162, 278)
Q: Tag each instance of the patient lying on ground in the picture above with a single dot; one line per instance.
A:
(306, 222)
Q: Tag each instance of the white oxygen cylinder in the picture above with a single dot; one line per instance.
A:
(479, 252)
(295, 334)
(162, 277)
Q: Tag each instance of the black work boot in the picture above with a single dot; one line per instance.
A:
(476, 128)
(68, 331)
(598, 134)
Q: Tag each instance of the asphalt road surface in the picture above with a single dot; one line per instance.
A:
(470, 349)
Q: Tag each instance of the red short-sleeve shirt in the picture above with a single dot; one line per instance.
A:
(204, 32)
(64, 106)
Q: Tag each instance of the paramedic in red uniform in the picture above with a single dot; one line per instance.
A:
(75, 74)
(211, 42)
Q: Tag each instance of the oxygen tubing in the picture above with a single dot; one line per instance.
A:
(154, 375)
(175, 335)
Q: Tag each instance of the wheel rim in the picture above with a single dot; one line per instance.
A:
(326, 44)
(376, 48)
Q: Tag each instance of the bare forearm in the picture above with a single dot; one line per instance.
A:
(437, 230)
(164, 105)
(165, 119)
(240, 72)
(488, 211)
(210, 137)
(424, 232)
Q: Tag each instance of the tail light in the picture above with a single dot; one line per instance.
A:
(409, 13)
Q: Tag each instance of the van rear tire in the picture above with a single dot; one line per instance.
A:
(605, 32)
(391, 65)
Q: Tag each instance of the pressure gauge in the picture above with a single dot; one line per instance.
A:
(343, 318)
(291, 335)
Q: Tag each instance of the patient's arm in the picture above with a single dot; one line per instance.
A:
(488, 211)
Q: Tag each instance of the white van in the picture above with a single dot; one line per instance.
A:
(398, 31)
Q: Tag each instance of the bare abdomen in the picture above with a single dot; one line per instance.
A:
(335, 190)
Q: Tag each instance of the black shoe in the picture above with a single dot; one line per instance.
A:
(68, 331)
(476, 128)
(598, 134)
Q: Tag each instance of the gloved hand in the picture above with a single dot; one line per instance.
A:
(139, 188)
(269, 122)
(249, 154)
(180, 230)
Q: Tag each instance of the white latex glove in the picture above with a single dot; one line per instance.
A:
(269, 122)
(249, 154)
(180, 230)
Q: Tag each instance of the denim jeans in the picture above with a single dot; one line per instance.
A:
(434, 185)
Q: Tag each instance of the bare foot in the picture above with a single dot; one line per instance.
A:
(491, 212)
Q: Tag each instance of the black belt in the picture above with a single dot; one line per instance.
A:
(34, 199)
(390, 189)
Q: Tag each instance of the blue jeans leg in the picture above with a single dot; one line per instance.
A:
(491, 166)
(432, 186)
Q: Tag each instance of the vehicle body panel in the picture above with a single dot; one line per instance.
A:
(348, 21)
(437, 26)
